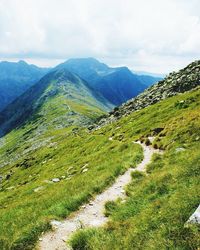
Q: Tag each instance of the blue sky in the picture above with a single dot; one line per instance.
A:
(151, 35)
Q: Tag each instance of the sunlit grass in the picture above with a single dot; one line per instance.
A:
(160, 203)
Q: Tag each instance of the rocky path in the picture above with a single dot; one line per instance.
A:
(91, 214)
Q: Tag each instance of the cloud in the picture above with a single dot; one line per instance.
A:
(145, 35)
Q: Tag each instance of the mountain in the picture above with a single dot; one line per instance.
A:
(160, 200)
(16, 78)
(173, 84)
(144, 73)
(59, 99)
(117, 85)
(52, 165)
(149, 80)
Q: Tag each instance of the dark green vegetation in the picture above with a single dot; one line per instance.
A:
(160, 203)
(16, 78)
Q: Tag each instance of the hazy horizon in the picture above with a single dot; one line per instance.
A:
(153, 36)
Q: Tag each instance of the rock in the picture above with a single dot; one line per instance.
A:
(195, 217)
(8, 176)
(9, 188)
(84, 166)
(85, 170)
(55, 179)
(55, 223)
(175, 83)
(110, 138)
(38, 189)
(91, 127)
(180, 149)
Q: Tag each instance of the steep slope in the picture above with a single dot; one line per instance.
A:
(159, 204)
(58, 99)
(117, 85)
(177, 82)
(16, 78)
(45, 178)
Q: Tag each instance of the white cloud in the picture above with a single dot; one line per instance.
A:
(149, 35)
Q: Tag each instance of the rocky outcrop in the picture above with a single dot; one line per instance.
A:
(176, 82)
(195, 217)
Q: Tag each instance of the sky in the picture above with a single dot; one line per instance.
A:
(146, 35)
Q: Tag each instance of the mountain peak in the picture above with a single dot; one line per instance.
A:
(84, 63)
(22, 62)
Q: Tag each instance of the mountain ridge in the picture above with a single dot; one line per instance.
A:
(16, 78)
(55, 83)
(105, 79)
(52, 165)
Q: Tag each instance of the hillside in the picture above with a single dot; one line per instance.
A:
(117, 85)
(160, 202)
(61, 154)
(16, 78)
(59, 99)
(177, 82)
(50, 166)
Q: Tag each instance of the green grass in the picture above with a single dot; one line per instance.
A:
(160, 203)
(24, 213)
(37, 152)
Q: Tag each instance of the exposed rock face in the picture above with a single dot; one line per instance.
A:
(176, 82)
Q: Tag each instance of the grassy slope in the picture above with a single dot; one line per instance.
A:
(36, 158)
(43, 149)
(160, 203)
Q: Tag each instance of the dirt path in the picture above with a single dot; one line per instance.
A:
(91, 214)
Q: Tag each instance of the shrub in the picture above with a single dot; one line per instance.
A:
(110, 206)
(80, 238)
(137, 175)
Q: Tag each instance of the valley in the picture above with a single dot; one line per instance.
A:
(62, 145)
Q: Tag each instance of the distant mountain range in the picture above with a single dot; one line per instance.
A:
(60, 98)
(144, 73)
(117, 85)
(16, 78)
(62, 142)
(176, 82)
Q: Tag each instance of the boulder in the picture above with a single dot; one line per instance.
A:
(195, 217)
(55, 180)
